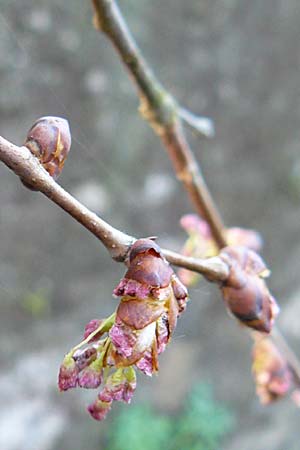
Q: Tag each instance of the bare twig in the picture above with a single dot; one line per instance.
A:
(162, 112)
(28, 168)
(213, 269)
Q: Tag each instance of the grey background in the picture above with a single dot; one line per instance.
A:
(234, 60)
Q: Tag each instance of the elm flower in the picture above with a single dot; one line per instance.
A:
(200, 243)
(119, 386)
(152, 298)
(271, 371)
(83, 365)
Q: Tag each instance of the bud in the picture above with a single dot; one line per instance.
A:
(271, 371)
(201, 244)
(68, 374)
(245, 293)
(152, 299)
(92, 326)
(91, 376)
(80, 368)
(119, 386)
(49, 140)
(99, 409)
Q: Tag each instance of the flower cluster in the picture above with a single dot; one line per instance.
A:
(201, 244)
(152, 298)
(271, 371)
(245, 292)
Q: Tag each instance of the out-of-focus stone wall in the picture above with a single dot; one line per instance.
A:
(237, 61)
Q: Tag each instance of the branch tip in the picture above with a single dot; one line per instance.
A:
(203, 126)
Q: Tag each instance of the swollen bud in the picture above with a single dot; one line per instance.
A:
(245, 292)
(49, 139)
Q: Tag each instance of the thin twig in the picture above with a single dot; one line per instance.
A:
(28, 168)
(198, 124)
(162, 112)
(30, 171)
(213, 269)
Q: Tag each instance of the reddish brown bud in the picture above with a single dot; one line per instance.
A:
(147, 265)
(245, 292)
(49, 139)
(152, 299)
(139, 313)
(144, 246)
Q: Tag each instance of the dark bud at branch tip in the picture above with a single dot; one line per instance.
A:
(49, 139)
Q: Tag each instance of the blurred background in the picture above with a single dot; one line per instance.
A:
(233, 60)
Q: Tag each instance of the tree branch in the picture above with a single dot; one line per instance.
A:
(162, 112)
(213, 269)
(198, 124)
(31, 172)
(166, 116)
(28, 168)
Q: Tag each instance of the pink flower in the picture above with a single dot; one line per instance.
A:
(119, 386)
(200, 243)
(92, 326)
(80, 369)
(271, 371)
(68, 374)
(152, 298)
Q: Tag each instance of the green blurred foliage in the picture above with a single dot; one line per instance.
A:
(36, 304)
(200, 425)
